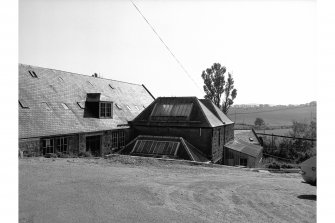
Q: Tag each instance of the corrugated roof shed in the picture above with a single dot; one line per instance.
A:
(247, 136)
(244, 147)
(45, 92)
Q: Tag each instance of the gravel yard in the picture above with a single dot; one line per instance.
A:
(149, 190)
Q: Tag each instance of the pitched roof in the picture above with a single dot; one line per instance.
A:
(244, 147)
(216, 111)
(52, 87)
(200, 115)
(248, 136)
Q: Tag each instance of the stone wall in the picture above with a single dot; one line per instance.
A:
(30, 147)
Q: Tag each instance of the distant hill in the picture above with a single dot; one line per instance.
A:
(273, 116)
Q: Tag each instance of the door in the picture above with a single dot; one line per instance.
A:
(93, 145)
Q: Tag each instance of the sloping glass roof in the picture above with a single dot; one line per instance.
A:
(183, 110)
(153, 147)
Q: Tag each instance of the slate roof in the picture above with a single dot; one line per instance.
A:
(244, 147)
(216, 111)
(201, 115)
(56, 87)
(249, 136)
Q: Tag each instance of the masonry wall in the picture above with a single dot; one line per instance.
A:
(30, 146)
(217, 144)
(201, 138)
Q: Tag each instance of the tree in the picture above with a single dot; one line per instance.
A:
(215, 85)
(259, 122)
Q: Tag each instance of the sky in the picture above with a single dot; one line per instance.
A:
(268, 46)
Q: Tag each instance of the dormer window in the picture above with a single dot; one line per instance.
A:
(106, 110)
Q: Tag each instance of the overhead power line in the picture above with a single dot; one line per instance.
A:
(166, 46)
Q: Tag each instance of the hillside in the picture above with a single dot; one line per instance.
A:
(273, 116)
(150, 190)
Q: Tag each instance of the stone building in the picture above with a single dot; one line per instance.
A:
(63, 112)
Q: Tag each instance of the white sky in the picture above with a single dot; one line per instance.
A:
(270, 46)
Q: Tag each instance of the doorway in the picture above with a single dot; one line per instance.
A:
(93, 145)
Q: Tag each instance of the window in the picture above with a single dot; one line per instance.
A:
(111, 86)
(118, 139)
(65, 106)
(152, 147)
(23, 104)
(219, 138)
(48, 146)
(121, 138)
(62, 144)
(128, 108)
(114, 139)
(46, 105)
(106, 109)
(32, 73)
(81, 104)
(137, 108)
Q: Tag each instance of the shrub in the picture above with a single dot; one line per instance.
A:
(286, 166)
(273, 165)
(85, 154)
(50, 155)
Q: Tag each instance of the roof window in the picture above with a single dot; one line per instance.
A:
(137, 108)
(46, 105)
(81, 104)
(90, 83)
(32, 73)
(65, 106)
(118, 106)
(179, 111)
(129, 108)
(60, 79)
(111, 86)
(23, 104)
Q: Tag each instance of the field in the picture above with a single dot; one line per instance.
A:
(273, 116)
(125, 189)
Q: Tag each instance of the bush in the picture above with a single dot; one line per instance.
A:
(85, 154)
(273, 165)
(286, 166)
(50, 155)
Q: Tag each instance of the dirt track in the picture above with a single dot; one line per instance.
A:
(100, 190)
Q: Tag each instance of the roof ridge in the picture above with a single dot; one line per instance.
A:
(79, 74)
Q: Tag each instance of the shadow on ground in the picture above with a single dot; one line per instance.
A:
(311, 197)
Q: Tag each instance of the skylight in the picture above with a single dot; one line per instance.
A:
(60, 79)
(65, 106)
(81, 104)
(176, 110)
(46, 105)
(111, 86)
(23, 104)
(32, 73)
(137, 108)
(118, 106)
(90, 83)
(129, 108)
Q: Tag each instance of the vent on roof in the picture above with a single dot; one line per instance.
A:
(32, 73)
(81, 104)
(60, 79)
(137, 108)
(46, 105)
(65, 106)
(111, 86)
(129, 108)
(118, 106)
(23, 104)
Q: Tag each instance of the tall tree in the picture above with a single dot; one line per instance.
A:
(215, 85)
